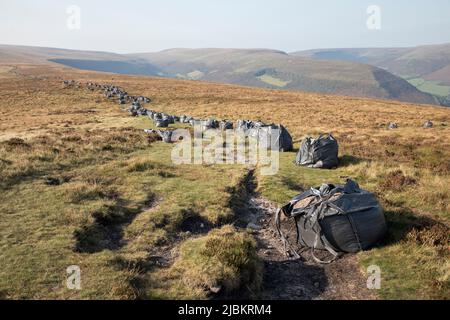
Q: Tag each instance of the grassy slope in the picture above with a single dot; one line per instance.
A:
(275, 69)
(109, 181)
(430, 86)
(113, 175)
(414, 61)
(428, 66)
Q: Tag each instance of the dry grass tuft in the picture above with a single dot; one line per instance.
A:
(433, 236)
(396, 180)
(224, 259)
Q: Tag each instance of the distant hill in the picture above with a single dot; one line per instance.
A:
(86, 60)
(277, 69)
(426, 67)
(252, 67)
(28, 54)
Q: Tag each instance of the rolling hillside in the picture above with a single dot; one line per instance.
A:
(251, 67)
(86, 60)
(427, 67)
(27, 54)
(277, 69)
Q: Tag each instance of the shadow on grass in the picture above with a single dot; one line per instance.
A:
(347, 160)
(194, 223)
(3, 295)
(293, 280)
(106, 233)
(403, 223)
(292, 184)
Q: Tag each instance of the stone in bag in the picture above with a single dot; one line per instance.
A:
(225, 125)
(166, 136)
(161, 123)
(336, 218)
(273, 135)
(318, 153)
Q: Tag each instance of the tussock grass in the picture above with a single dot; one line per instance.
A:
(223, 260)
(80, 192)
(141, 166)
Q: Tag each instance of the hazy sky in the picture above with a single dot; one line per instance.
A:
(140, 26)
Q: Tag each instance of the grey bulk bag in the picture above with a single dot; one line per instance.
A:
(187, 119)
(256, 133)
(393, 126)
(225, 125)
(211, 124)
(274, 137)
(244, 125)
(168, 118)
(161, 123)
(428, 124)
(284, 139)
(142, 111)
(195, 122)
(318, 153)
(166, 136)
(258, 124)
(336, 218)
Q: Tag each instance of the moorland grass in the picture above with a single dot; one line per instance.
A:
(80, 184)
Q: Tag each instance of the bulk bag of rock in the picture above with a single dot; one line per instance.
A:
(318, 153)
(336, 218)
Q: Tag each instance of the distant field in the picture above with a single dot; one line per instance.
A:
(81, 184)
(273, 81)
(430, 87)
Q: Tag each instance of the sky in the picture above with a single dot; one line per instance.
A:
(288, 25)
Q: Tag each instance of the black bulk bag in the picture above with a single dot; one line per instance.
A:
(166, 136)
(269, 140)
(336, 218)
(244, 125)
(157, 116)
(210, 124)
(160, 123)
(187, 119)
(225, 125)
(168, 118)
(318, 153)
(284, 139)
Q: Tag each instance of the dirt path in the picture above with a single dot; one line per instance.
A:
(301, 279)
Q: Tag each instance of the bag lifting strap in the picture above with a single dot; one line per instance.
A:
(287, 246)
